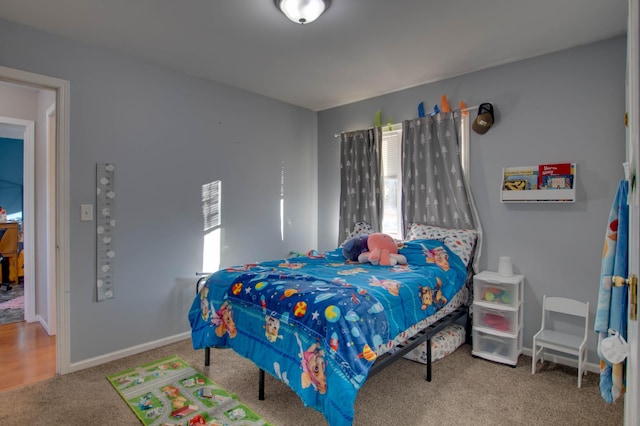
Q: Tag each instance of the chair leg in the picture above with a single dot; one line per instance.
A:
(533, 358)
(580, 367)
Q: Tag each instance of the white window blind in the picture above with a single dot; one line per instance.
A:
(211, 204)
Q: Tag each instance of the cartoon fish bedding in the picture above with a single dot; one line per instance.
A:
(318, 323)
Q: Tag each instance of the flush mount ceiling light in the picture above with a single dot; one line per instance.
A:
(302, 11)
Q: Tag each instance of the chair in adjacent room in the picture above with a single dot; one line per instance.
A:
(549, 337)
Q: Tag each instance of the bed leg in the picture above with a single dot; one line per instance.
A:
(207, 356)
(428, 360)
(261, 386)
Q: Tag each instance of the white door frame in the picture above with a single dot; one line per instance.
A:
(50, 241)
(632, 395)
(27, 127)
(60, 235)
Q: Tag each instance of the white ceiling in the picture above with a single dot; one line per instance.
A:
(358, 49)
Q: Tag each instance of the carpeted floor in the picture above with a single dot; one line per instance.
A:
(465, 390)
(12, 304)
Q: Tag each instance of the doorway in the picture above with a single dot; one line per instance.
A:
(51, 217)
(22, 208)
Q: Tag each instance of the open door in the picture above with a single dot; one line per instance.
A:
(632, 395)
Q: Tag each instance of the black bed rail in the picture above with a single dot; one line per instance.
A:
(421, 337)
(389, 358)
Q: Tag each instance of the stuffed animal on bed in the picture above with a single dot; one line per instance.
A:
(355, 247)
(382, 250)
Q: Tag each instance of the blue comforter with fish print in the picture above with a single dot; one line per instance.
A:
(315, 321)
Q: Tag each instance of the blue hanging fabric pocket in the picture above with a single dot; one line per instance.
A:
(611, 312)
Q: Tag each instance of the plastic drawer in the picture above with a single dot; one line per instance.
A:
(487, 290)
(494, 346)
(495, 319)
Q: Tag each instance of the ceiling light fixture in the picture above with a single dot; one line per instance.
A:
(302, 11)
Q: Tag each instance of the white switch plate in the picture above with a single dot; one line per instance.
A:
(86, 212)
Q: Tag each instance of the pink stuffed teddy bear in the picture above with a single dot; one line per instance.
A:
(382, 250)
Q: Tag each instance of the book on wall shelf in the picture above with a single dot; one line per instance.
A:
(520, 178)
(556, 176)
(543, 183)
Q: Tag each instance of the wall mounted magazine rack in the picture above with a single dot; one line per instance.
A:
(544, 183)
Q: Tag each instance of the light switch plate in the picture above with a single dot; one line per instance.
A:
(86, 212)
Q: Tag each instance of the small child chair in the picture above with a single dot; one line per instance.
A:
(568, 343)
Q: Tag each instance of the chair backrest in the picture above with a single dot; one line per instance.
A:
(566, 306)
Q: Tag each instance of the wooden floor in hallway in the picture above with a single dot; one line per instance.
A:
(28, 354)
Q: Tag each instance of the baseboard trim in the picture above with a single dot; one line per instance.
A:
(134, 350)
(559, 359)
(44, 324)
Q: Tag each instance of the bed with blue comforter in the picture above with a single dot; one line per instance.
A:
(319, 322)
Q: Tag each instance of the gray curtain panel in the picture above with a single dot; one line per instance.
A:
(360, 164)
(433, 185)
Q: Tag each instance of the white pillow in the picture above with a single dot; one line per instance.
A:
(460, 241)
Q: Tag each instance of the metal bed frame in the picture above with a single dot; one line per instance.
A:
(386, 359)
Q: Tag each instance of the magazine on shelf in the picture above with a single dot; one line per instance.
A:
(520, 178)
(556, 176)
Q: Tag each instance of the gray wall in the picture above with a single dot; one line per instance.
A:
(562, 107)
(167, 134)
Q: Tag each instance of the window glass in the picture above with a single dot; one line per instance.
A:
(392, 183)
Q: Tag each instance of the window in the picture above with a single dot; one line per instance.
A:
(392, 174)
(211, 208)
(392, 181)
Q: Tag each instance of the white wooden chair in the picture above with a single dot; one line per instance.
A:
(568, 343)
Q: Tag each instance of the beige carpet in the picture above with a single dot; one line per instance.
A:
(464, 391)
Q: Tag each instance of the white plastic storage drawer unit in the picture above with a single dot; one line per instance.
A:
(497, 316)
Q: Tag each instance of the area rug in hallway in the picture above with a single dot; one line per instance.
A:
(170, 392)
(12, 304)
